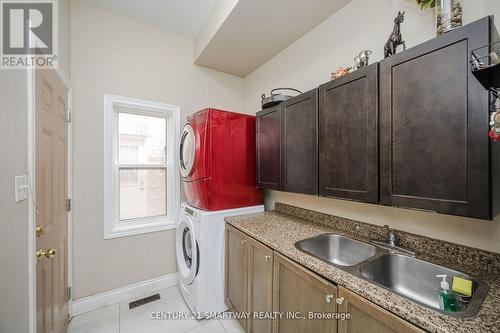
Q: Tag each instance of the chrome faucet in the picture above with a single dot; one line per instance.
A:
(389, 242)
(390, 236)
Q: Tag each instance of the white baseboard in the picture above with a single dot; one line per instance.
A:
(107, 298)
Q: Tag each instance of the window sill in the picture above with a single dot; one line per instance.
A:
(139, 227)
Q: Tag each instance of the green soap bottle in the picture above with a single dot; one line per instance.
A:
(447, 301)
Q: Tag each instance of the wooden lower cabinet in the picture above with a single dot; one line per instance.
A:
(236, 272)
(260, 287)
(249, 280)
(368, 317)
(263, 282)
(299, 291)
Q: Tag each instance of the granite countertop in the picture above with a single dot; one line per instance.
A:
(280, 231)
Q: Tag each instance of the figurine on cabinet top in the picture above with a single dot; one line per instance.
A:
(395, 39)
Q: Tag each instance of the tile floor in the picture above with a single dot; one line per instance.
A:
(118, 318)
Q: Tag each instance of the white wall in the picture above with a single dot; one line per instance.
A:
(13, 217)
(219, 13)
(366, 24)
(64, 14)
(116, 55)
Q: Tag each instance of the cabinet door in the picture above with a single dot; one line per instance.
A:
(368, 317)
(236, 272)
(268, 137)
(260, 286)
(348, 136)
(299, 291)
(434, 151)
(299, 164)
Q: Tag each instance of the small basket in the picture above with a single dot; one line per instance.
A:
(485, 65)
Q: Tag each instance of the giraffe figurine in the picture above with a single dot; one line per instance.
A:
(395, 39)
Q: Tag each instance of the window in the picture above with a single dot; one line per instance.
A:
(129, 177)
(141, 177)
(128, 155)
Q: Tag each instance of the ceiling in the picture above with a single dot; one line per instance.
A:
(231, 36)
(256, 30)
(182, 17)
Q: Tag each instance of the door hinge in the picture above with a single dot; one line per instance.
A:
(69, 116)
(68, 293)
(68, 205)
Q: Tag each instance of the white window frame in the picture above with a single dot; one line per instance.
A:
(113, 228)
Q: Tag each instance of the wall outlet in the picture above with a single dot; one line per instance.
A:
(21, 188)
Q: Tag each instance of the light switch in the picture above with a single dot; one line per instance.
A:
(21, 184)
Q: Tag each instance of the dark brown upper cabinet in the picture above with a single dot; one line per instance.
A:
(434, 149)
(268, 137)
(348, 136)
(299, 138)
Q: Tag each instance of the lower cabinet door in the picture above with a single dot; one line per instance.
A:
(299, 293)
(368, 317)
(260, 287)
(236, 272)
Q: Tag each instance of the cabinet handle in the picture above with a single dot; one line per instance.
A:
(340, 300)
(268, 258)
(328, 298)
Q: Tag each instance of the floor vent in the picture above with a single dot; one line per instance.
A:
(143, 301)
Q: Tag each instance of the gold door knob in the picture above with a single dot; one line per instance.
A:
(40, 230)
(40, 254)
(50, 253)
(47, 254)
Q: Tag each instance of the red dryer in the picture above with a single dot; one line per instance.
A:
(217, 160)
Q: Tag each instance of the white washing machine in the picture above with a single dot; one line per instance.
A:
(200, 256)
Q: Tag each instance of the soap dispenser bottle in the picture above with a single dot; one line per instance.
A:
(447, 301)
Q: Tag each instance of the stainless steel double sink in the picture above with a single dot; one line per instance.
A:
(409, 277)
